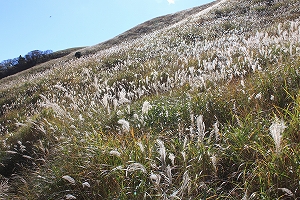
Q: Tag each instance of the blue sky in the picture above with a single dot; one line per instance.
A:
(28, 25)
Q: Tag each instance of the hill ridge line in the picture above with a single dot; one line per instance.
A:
(147, 27)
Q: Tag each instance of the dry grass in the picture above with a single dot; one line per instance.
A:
(207, 108)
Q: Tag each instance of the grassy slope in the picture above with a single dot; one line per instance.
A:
(187, 111)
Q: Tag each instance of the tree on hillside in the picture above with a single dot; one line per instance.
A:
(12, 66)
(33, 56)
(21, 60)
(78, 54)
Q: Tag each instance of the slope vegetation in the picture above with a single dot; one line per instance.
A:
(206, 107)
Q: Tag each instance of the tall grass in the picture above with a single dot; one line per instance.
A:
(205, 109)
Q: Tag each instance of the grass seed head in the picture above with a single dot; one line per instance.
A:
(125, 125)
(276, 130)
(69, 179)
(162, 152)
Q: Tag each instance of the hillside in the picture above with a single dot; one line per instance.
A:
(200, 104)
(134, 33)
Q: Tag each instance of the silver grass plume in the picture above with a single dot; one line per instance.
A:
(276, 129)
(135, 167)
(178, 194)
(200, 128)
(162, 152)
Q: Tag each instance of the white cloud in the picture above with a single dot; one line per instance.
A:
(171, 1)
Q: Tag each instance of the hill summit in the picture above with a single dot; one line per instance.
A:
(200, 104)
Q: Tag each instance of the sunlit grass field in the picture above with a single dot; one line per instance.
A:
(208, 108)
